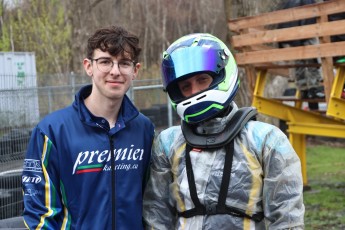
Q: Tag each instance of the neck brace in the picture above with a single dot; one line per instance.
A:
(217, 124)
(222, 133)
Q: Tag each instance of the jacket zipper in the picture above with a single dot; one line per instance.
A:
(112, 159)
(113, 201)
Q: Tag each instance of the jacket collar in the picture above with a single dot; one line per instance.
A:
(127, 111)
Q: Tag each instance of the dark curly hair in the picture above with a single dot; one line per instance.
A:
(115, 40)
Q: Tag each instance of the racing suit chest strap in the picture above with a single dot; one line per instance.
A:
(220, 207)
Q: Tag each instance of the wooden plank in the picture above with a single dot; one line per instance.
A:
(327, 64)
(287, 15)
(327, 75)
(250, 78)
(261, 47)
(294, 99)
(291, 53)
(281, 72)
(261, 66)
(289, 34)
(274, 69)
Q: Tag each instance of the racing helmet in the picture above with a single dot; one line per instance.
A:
(194, 54)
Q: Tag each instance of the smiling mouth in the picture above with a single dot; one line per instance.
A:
(115, 82)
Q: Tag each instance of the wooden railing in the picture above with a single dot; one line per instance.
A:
(255, 45)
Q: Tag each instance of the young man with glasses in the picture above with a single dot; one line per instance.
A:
(86, 164)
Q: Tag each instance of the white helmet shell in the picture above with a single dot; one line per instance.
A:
(194, 54)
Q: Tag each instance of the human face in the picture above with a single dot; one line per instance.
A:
(195, 84)
(114, 83)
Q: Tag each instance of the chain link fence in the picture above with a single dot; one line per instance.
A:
(22, 108)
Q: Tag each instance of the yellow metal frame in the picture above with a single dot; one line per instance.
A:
(336, 104)
(301, 122)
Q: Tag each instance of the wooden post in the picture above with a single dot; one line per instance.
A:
(326, 64)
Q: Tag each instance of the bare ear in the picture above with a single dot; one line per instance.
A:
(136, 70)
(87, 66)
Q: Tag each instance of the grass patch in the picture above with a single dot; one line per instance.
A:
(325, 202)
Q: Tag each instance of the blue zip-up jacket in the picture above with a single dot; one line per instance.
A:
(68, 182)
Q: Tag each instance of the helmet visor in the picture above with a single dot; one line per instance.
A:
(188, 60)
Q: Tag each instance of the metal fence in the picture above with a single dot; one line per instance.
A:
(22, 108)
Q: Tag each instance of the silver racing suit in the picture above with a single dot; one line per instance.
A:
(265, 177)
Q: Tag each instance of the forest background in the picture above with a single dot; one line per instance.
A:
(57, 30)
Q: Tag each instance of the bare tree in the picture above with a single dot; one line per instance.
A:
(158, 23)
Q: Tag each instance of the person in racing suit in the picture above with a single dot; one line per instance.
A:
(220, 169)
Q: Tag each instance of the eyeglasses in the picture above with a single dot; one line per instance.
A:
(106, 64)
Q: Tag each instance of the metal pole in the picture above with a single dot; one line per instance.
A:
(72, 78)
(170, 120)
